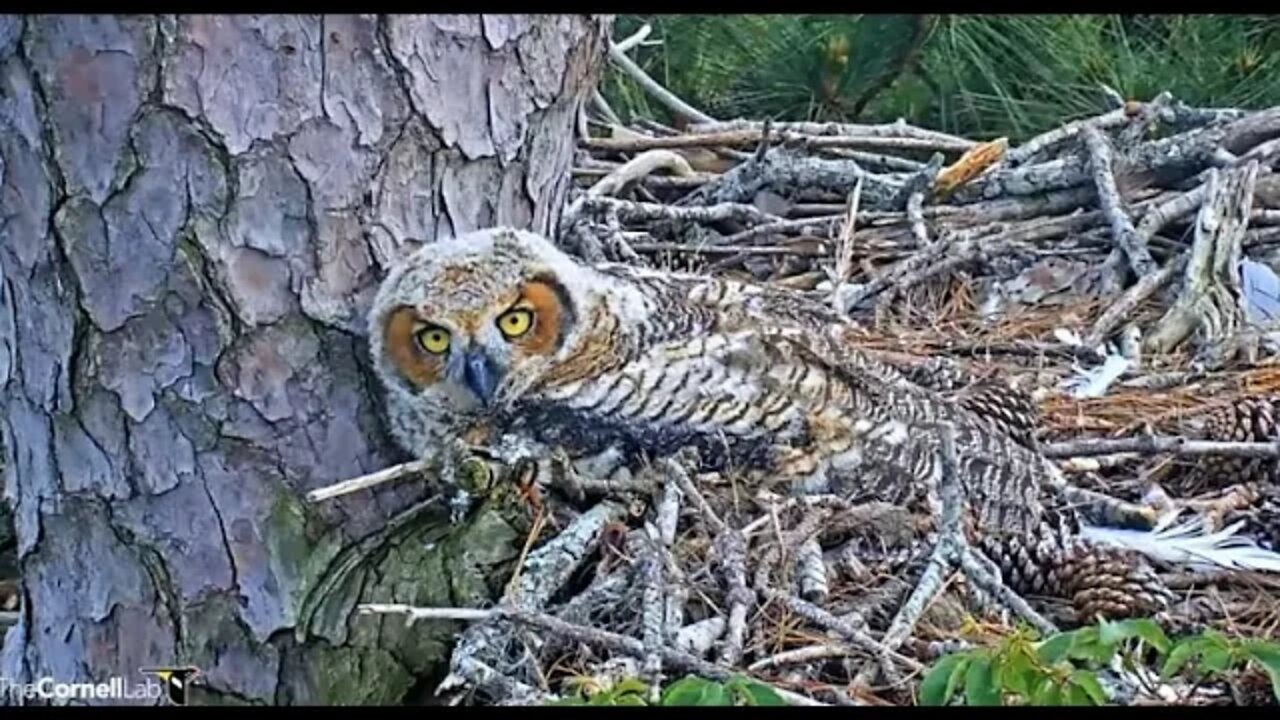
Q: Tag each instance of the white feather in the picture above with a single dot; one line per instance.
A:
(1189, 544)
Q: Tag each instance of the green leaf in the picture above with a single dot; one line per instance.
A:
(1075, 696)
(630, 685)
(1088, 683)
(1179, 656)
(1049, 693)
(761, 694)
(1267, 655)
(1084, 643)
(685, 691)
(714, 695)
(1017, 673)
(1056, 647)
(1215, 659)
(980, 687)
(629, 700)
(1103, 652)
(936, 688)
(1111, 633)
(1149, 631)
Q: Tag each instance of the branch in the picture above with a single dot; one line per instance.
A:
(1122, 230)
(364, 482)
(1154, 445)
(661, 94)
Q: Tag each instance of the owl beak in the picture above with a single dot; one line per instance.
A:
(481, 375)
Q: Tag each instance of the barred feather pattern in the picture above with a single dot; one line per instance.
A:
(774, 404)
(761, 383)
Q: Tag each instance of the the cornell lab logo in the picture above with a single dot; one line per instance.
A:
(176, 681)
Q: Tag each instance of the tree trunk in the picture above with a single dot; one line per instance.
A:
(195, 214)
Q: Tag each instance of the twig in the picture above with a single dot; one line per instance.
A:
(900, 128)
(634, 40)
(661, 94)
(1212, 283)
(1137, 294)
(802, 655)
(1158, 217)
(636, 168)
(603, 107)
(1122, 230)
(639, 212)
(916, 188)
(1063, 133)
(811, 571)
(857, 637)
(652, 615)
(732, 549)
(801, 251)
(822, 225)
(750, 138)
(1153, 445)
(579, 633)
(952, 550)
(364, 482)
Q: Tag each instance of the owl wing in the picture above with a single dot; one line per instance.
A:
(741, 306)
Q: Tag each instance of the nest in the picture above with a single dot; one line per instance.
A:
(1116, 239)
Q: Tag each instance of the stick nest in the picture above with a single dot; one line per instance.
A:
(1118, 236)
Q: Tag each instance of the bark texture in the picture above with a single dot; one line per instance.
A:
(194, 214)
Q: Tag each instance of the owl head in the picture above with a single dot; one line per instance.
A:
(468, 319)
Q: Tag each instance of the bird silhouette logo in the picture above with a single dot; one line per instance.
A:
(176, 681)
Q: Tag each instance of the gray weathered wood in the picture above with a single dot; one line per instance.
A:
(196, 211)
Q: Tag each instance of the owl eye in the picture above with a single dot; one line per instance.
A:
(434, 340)
(516, 322)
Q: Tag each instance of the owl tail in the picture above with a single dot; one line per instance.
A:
(1190, 544)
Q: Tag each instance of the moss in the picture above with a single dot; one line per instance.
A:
(349, 676)
(299, 552)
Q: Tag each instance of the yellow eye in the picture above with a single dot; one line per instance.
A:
(514, 323)
(434, 340)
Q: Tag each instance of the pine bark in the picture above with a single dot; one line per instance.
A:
(194, 214)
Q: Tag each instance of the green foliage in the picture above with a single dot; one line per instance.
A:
(979, 75)
(1062, 670)
(689, 690)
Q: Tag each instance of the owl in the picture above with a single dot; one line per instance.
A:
(498, 339)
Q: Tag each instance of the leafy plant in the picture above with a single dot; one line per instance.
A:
(1063, 669)
(739, 690)
(689, 690)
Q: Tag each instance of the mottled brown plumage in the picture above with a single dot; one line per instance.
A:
(759, 382)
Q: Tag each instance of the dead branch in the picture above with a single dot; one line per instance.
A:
(1152, 445)
(414, 469)
(1122, 230)
(1211, 284)
(651, 86)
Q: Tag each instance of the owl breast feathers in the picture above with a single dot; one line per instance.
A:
(498, 336)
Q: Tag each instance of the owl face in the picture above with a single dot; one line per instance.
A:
(469, 318)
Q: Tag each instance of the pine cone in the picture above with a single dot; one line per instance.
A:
(1113, 584)
(1249, 419)
(1011, 410)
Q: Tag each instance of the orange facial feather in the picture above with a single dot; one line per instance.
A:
(414, 364)
(548, 314)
